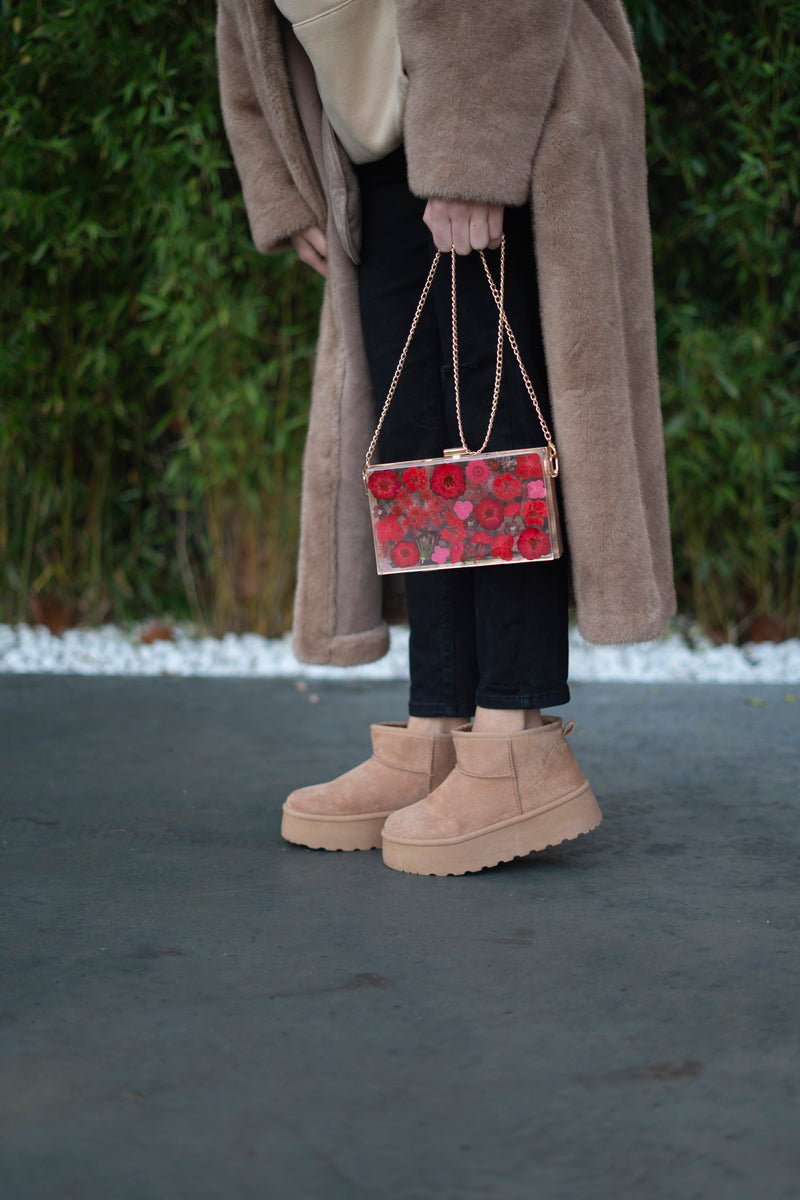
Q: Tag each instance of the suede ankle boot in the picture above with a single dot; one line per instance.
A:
(508, 795)
(349, 812)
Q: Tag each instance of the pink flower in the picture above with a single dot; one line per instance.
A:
(477, 471)
(532, 543)
(384, 485)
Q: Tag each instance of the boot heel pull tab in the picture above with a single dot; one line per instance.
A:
(568, 728)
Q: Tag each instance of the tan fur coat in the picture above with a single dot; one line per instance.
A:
(536, 100)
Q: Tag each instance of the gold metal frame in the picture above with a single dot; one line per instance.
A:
(553, 521)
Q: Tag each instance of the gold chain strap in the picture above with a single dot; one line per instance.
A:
(401, 363)
(503, 325)
(498, 373)
(498, 299)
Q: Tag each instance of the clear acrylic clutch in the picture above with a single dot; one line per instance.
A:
(466, 509)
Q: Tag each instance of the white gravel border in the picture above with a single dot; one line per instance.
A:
(110, 650)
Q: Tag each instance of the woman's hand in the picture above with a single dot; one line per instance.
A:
(312, 248)
(465, 226)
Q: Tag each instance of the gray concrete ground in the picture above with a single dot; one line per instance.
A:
(193, 1009)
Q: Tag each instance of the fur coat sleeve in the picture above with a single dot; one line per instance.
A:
(502, 66)
(275, 205)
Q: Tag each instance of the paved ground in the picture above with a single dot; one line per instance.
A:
(193, 1010)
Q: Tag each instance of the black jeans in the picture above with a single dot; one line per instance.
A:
(495, 636)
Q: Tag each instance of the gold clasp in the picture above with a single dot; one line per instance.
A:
(552, 457)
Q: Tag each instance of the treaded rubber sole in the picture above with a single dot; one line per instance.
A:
(560, 822)
(333, 833)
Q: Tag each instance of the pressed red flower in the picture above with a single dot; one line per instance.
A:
(506, 487)
(414, 478)
(415, 516)
(405, 554)
(457, 551)
(454, 535)
(511, 510)
(534, 512)
(529, 466)
(389, 529)
(482, 539)
(489, 513)
(532, 543)
(448, 480)
(503, 547)
(384, 485)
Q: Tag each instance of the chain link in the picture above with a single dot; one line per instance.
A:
(498, 299)
(401, 363)
(499, 366)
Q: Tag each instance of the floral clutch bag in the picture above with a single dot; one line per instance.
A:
(468, 508)
(464, 511)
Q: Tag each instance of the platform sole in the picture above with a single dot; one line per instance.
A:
(333, 833)
(559, 822)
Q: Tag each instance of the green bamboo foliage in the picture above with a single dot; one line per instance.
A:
(723, 87)
(154, 370)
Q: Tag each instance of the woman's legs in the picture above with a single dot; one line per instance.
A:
(495, 637)
(487, 640)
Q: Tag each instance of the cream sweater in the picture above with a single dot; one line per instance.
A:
(355, 53)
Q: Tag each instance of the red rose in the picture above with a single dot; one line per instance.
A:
(448, 480)
(489, 513)
(534, 512)
(384, 485)
(405, 554)
(414, 478)
(389, 530)
(503, 547)
(506, 487)
(532, 543)
(529, 466)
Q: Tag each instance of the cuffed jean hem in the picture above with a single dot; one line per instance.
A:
(427, 708)
(523, 699)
